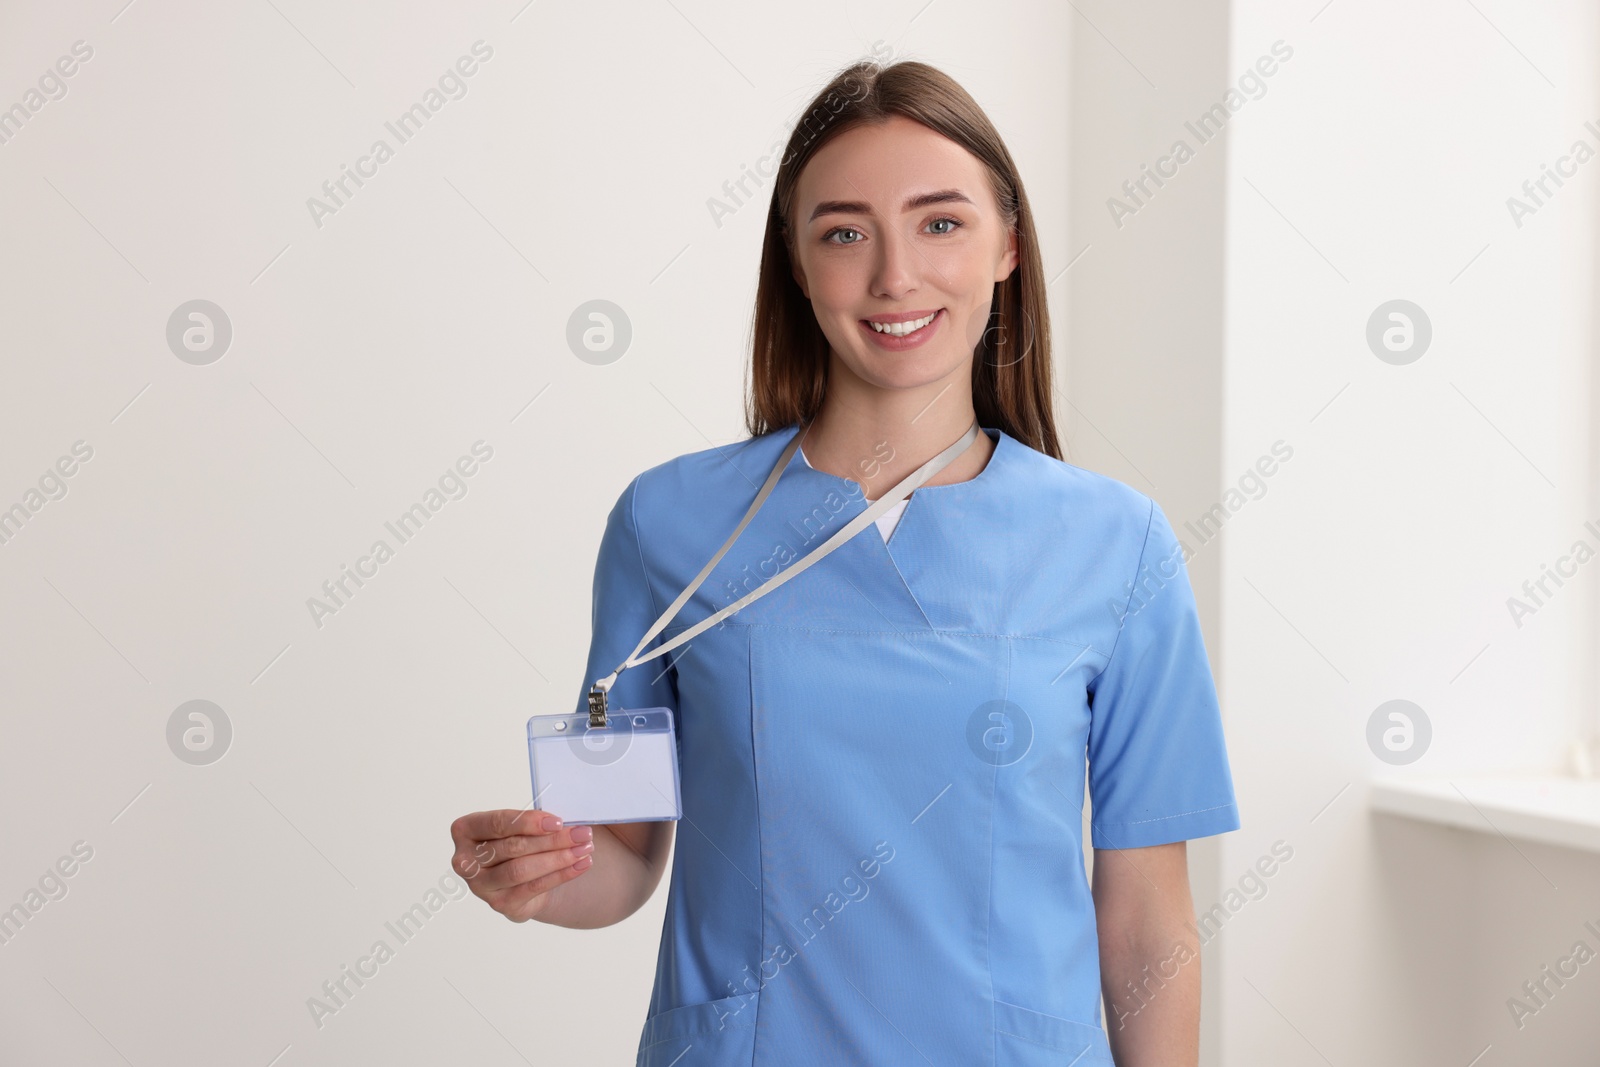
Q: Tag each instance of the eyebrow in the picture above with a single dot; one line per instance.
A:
(856, 207)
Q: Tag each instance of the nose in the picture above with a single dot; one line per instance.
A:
(898, 268)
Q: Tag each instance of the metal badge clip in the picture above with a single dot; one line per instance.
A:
(597, 708)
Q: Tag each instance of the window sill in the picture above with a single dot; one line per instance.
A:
(1545, 808)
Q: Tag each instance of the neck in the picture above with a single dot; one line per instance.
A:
(876, 436)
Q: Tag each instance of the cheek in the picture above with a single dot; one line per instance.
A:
(835, 282)
(980, 306)
(977, 304)
(962, 279)
(977, 323)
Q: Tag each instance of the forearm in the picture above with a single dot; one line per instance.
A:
(1150, 977)
(1149, 955)
(628, 863)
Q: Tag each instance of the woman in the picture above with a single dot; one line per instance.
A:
(883, 760)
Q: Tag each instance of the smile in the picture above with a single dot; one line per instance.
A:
(902, 329)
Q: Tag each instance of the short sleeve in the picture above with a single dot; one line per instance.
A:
(1158, 765)
(624, 609)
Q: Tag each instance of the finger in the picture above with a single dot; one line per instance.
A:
(526, 869)
(502, 822)
(490, 853)
(522, 902)
(484, 854)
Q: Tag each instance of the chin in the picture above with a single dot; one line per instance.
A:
(886, 370)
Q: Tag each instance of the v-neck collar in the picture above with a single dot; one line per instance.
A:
(911, 514)
(852, 488)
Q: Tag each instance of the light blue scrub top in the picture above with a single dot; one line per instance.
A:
(883, 760)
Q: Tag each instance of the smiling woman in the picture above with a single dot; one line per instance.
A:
(955, 688)
(858, 224)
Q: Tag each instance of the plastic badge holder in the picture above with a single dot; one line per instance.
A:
(625, 771)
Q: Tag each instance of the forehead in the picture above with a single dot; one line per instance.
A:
(882, 164)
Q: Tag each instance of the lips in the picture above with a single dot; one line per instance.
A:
(905, 332)
(902, 323)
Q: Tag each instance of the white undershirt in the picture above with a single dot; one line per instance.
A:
(886, 522)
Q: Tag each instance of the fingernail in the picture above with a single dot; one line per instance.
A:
(582, 833)
(587, 846)
(552, 823)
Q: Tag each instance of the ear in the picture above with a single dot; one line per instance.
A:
(1008, 258)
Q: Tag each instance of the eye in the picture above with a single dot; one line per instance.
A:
(946, 218)
(828, 237)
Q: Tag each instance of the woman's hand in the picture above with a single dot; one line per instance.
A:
(513, 860)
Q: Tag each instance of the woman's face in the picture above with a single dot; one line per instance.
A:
(894, 222)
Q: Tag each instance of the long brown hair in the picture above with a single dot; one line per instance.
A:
(1011, 381)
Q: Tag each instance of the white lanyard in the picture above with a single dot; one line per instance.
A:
(597, 695)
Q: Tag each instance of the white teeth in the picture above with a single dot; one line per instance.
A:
(900, 329)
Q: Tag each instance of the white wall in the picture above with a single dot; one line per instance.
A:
(368, 354)
(1418, 499)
